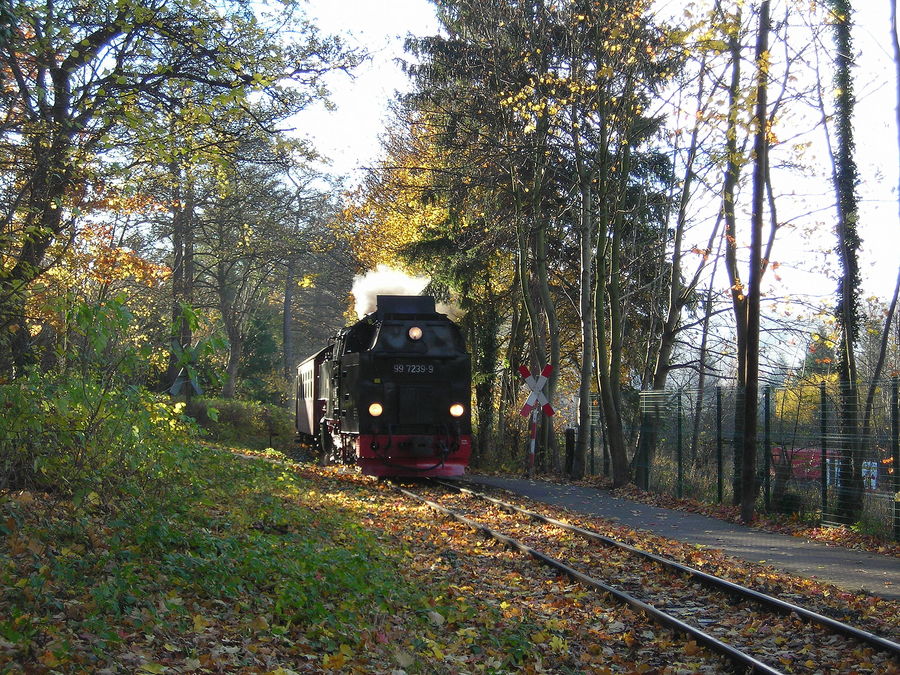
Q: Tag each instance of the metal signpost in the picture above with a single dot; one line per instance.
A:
(537, 402)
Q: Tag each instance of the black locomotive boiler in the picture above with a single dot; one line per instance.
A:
(391, 393)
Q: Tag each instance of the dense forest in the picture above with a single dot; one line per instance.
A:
(602, 186)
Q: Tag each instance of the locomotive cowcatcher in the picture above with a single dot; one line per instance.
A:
(391, 393)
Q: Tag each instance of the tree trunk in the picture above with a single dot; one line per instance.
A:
(615, 316)
(532, 312)
(532, 309)
(738, 297)
(182, 271)
(485, 331)
(235, 349)
(289, 364)
(605, 316)
(586, 310)
(509, 382)
(676, 301)
(44, 222)
(615, 435)
(850, 484)
(751, 360)
(701, 374)
(233, 323)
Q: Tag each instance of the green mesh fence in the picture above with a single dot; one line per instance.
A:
(823, 454)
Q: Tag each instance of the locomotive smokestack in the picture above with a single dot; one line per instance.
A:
(383, 280)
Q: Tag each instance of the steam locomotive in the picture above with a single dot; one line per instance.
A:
(390, 393)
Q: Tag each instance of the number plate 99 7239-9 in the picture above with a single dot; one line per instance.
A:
(413, 368)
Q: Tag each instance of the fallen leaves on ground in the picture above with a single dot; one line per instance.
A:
(271, 568)
(780, 638)
(265, 567)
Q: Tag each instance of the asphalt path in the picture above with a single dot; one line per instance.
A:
(854, 571)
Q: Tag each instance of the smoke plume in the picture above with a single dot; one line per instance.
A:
(383, 280)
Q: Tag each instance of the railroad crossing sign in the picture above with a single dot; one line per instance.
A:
(537, 401)
(536, 398)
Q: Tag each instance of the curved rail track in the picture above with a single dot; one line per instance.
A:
(721, 615)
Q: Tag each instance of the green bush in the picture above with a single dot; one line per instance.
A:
(87, 432)
(244, 423)
(72, 437)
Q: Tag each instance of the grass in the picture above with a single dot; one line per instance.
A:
(254, 546)
(253, 566)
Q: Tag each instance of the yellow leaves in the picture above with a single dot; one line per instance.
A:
(702, 252)
(308, 281)
(49, 659)
(557, 624)
(467, 635)
(559, 645)
(339, 658)
(403, 659)
(127, 204)
(764, 63)
(540, 637)
(394, 212)
(18, 546)
(691, 648)
(201, 623)
(554, 642)
(23, 497)
(260, 623)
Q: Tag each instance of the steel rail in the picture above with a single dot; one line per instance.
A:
(734, 655)
(880, 643)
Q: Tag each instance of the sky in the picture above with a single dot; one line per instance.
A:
(877, 152)
(349, 135)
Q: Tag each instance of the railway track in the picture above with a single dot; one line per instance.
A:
(753, 631)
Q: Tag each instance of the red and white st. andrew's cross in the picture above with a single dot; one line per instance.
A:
(536, 399)
(537, 402)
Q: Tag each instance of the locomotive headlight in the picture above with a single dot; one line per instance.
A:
(376, 409)
(415, 333)
(457, 410)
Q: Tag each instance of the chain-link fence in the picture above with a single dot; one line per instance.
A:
(825, 454)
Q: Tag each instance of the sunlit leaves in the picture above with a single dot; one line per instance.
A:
(564, 82)
(92, 87)
(398, 206)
